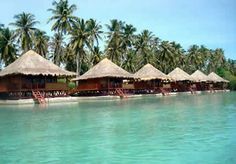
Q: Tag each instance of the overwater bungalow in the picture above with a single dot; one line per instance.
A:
(182, 81)
(31, 75)
(105, 78)
(217, 82)
(150, 80)
(201, 81)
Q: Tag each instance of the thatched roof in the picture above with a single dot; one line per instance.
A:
(179, 75)
(148, 72)
(216, 78)
(104, 68)
(32, 63)
(199, 76)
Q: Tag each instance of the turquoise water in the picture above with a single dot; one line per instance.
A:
(177, 129)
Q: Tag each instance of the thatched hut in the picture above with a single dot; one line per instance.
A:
(104, 78)
(181, 80)
(217, 82)
(201, 81)
(149, 79)
(32, 72)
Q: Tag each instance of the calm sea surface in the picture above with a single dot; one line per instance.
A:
(178, 129)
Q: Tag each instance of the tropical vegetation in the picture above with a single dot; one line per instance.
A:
(78, 44)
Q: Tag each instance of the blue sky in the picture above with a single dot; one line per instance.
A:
(204, 22)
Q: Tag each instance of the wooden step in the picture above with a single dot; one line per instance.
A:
(193, 91)
(39, 97)
(164, 92)
(120, 92)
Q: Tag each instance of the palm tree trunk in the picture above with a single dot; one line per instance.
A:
(78, 64)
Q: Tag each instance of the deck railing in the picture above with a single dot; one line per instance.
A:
(56, 86)
(36, 86)
(91, 87)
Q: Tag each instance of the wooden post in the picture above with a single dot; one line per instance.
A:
(31, 84)
(154, 84)
(45, 82)
(20, 85)
(108, 85)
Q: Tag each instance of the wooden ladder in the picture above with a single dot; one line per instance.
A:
(211, 90)
(164, 92)
(120, 92)
(73, 91)
(39, 97)
(192, 90)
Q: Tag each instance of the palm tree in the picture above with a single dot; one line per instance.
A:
(70, 59)
(203, 57)
(62, 16)
(95, 30)
(129, 62)
(178, 55)
(166, 57)
(114, 43)
(1, 62)
(115, 28)
(231, 66)
(1, 26)
(220, 58)
(216, 60)
(57, 48)
(80, 38)
(25, 28)
(143, 46)
(7, 46)
(128, 40)
(96, 55)
(41, 42)
(128, 36)
(193, 58)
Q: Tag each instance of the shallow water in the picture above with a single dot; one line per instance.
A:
(176, 129)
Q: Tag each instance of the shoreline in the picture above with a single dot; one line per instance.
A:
(71, 99)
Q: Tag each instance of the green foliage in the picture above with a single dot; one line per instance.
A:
(8, 51)
(62, 16)
(232, 83)
(75, 45)
(41, 41)
(221, 72)
(71, 85)
(82, 37)
(84, 67)
(25, 30)
(229, 76)
(57, 49)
